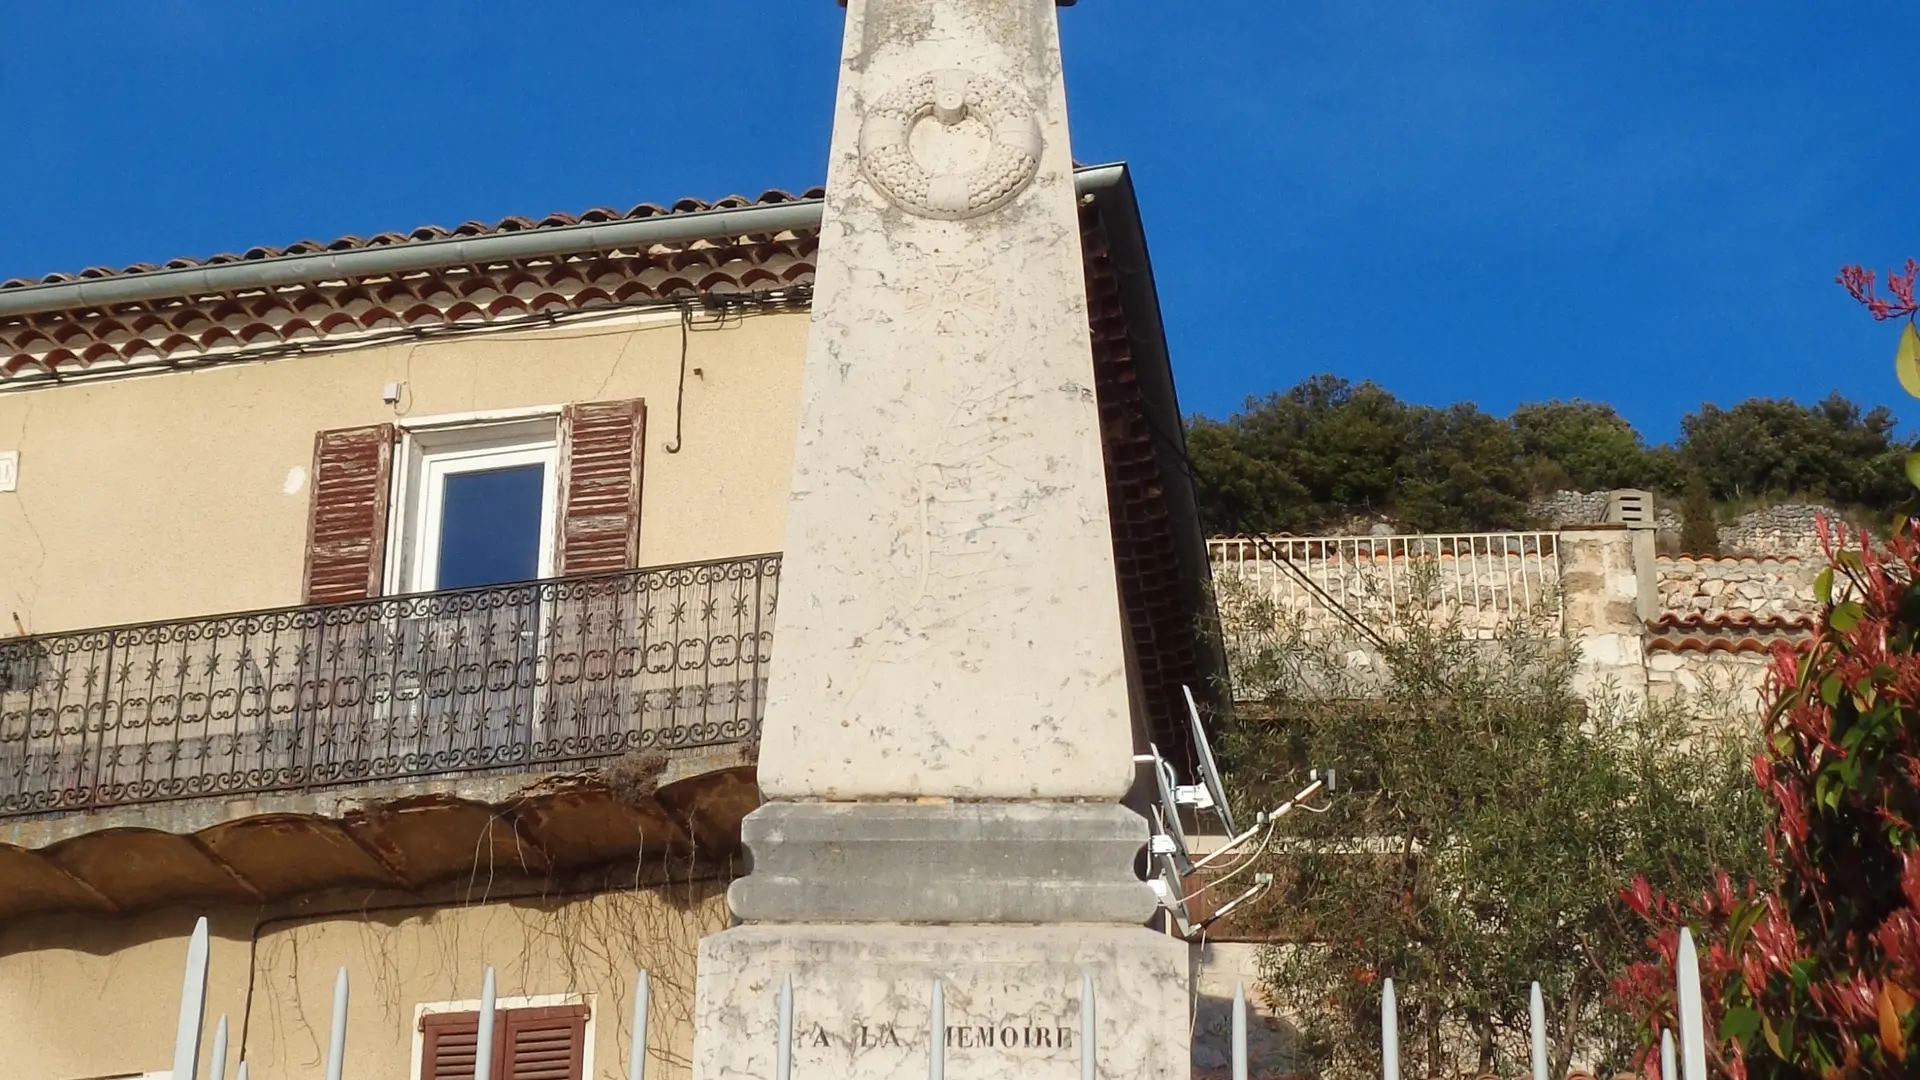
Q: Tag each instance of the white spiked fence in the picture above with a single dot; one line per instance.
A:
(1691, 1058)
(193, 1018)
(193, 1015)
(1693, 1045)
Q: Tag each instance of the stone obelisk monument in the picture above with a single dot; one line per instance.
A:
(949, 731)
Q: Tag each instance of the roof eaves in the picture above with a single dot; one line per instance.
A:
(431, 248)
(1133, 267)
(302, 265)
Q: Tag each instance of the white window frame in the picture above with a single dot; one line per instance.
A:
(431, 452)
(535, 1001)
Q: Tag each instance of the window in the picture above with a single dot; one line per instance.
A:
(530, 1041)
(438, 504)
(475, 501)
(476, 506)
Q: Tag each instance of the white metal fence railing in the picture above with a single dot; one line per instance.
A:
(1691, 1065)
(1484, 581)
(193, 1019)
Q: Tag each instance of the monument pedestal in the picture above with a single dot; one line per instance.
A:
(862, 998)
(944, 862)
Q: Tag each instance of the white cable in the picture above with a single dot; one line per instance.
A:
(1239, 867)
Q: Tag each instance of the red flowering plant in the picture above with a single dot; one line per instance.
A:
(1859, 283)
(1816, 973)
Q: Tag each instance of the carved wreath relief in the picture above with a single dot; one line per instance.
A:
(950, 97)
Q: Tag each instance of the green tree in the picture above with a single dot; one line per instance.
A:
(1488, 819)
(1699, 530)
(1329, 449)
(1584, 446)
(1240, 489)
(1461, 471)
(1321, 451)
(1776, 447)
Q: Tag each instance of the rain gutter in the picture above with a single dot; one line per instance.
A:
(282, 271)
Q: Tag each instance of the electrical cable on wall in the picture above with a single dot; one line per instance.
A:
(680, 395)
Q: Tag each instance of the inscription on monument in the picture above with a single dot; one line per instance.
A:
(986, 1036)
(874, 1035)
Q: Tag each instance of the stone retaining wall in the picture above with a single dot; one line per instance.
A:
(1734, 587)
(1790, 529)
(1697, 630)
(1572, 509)
(1714, 685)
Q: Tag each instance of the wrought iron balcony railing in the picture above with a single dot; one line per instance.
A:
(536, 676)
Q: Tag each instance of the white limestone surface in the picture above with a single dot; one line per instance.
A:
(862, 997)
(949, 617)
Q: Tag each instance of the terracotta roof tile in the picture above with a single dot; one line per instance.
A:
(1736, 634)
(599, 215)
(195, 329)
(1734, 560)
(1736, 623)
(1703, 644)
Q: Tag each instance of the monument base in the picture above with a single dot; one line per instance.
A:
(997, 862)
(862, 997)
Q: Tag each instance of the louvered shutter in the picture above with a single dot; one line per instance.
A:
(448, 1043)
(528, 1044)
(602, 445)
(544, 1044)
(347, 523)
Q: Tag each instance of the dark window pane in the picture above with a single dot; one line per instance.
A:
(490, 527)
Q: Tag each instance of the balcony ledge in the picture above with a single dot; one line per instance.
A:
(404, 836)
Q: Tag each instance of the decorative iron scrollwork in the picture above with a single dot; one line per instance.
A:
(21, 663)
(543, 675)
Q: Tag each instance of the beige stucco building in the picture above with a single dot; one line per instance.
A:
(501, 510)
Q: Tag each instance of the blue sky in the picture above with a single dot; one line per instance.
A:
(1636, 202)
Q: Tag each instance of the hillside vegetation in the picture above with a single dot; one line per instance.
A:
(1329, 450)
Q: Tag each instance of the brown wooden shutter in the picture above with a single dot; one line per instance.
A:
(347, 525)
(544, 1044)
(602, 446)
(528, 1044)
(448, 1044)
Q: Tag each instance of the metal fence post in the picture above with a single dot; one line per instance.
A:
(936, 1034)
(1693, 1035)
(483, 1035)
(1239, 1031)
(217, 1063)
(1537, 1014)
(1089, 1067)
(193, 1006)
(1389, 1034)
(783, 1058)
(642, 1004)
(337, 1043)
